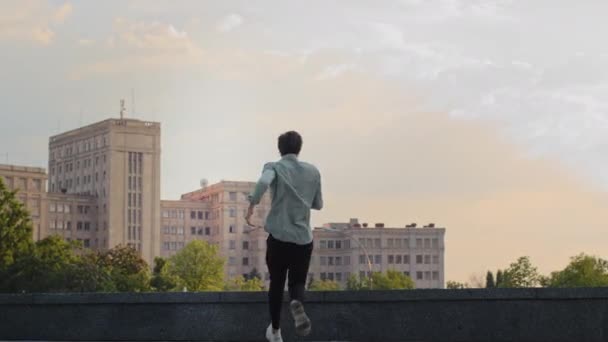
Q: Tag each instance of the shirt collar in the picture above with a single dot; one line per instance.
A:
(291, 156)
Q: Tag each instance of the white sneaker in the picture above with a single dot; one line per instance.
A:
(302, 321)
(271, 336)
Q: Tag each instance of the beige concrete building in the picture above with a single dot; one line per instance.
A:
(345, 249)
(117, 163)
(216, 214)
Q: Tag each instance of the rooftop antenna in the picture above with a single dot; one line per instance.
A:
(122, 109)
(133, 102)
(80, 117)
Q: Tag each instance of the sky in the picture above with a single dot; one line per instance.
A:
(487, 117)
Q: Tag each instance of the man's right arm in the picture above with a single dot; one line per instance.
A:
(317, 202)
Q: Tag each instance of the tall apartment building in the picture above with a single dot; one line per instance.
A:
(117, 163)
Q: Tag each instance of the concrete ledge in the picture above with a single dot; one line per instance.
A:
(417, 315)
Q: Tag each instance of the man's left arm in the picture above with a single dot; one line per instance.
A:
(268, 175)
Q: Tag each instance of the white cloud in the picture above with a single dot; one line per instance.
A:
(31, 20)
(334, 71)
(230, 22)
(86, 42)
(136, 45)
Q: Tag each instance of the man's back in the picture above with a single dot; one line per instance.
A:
(295, 189)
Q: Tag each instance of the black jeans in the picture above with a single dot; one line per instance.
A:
(282, 257)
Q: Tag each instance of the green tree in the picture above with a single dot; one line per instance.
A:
(253, 274)
(129, 272)
(391, 280)
(161, 280)
(521, 274)
(324, 285)
(490, 280)
(246, 285)
(353, 283)
(456, 285)
(91, 273)
(15, 228)
(583, 271)
(499, 279)
(47, 267)
(198, 267)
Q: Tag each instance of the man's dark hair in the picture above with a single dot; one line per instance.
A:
(290, 142)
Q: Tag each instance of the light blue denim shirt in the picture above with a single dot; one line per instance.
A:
(295, 187)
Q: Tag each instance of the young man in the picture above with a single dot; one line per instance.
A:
(296, 188)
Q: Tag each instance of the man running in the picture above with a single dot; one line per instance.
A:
(295, 188)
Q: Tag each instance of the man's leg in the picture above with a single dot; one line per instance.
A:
(299, 263)
(277, 267)
(298, 270)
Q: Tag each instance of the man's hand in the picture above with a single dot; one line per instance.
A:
(249, 214)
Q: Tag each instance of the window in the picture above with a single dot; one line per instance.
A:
(330, 244)
(347, 244)
(378, 259)
(361, 242)
(427, 275)
(245, 261)
(232, 212)
(407, 273)
(232, 261)
(338, 276)
(418, 243)
(53, 207)
(180, 230)
(323, 276)
(390, 243)
(200, 231)
(245, 244)
(193, 215)
(173, 230)
(165, 213)
(330, 276)
(87, 243)
(206, 215)
(419, 259)
(323, 244)
(362, 259)
(435, 243)
(406, 259)
(418, 275)
(427, 243)
(166, 230)
(330, 261)
(37, 185)
(87, 226)
(435, 275)
(398, 260)
(232, 196)
(69, 225)
(338, 261)
(361, 274)
(323, 260)
(427, 259)
(231, 229)
(338, 244)
(391, 259)
(369, 242)
(192, 230)
(180, 214)
(207, 231)
(166, 246)
(232, 244)
(200, 215)
(435, 259)
(347, 260)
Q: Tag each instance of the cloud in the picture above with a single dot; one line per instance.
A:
(31, 20)
(137, 45)
(334, 71)
(86, 42)
(230, 22)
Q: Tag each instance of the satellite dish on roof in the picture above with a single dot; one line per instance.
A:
(204, 183)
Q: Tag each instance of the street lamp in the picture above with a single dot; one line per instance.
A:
(369, 261)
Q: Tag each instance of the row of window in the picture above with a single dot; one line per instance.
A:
(136, 163)
(334, 261)
(67, 225)
(69, 167)
(398, 243)
(84, 145)
(174, 230)
(173, 245)
(334, 244)
(22, 183)
(400, 259)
